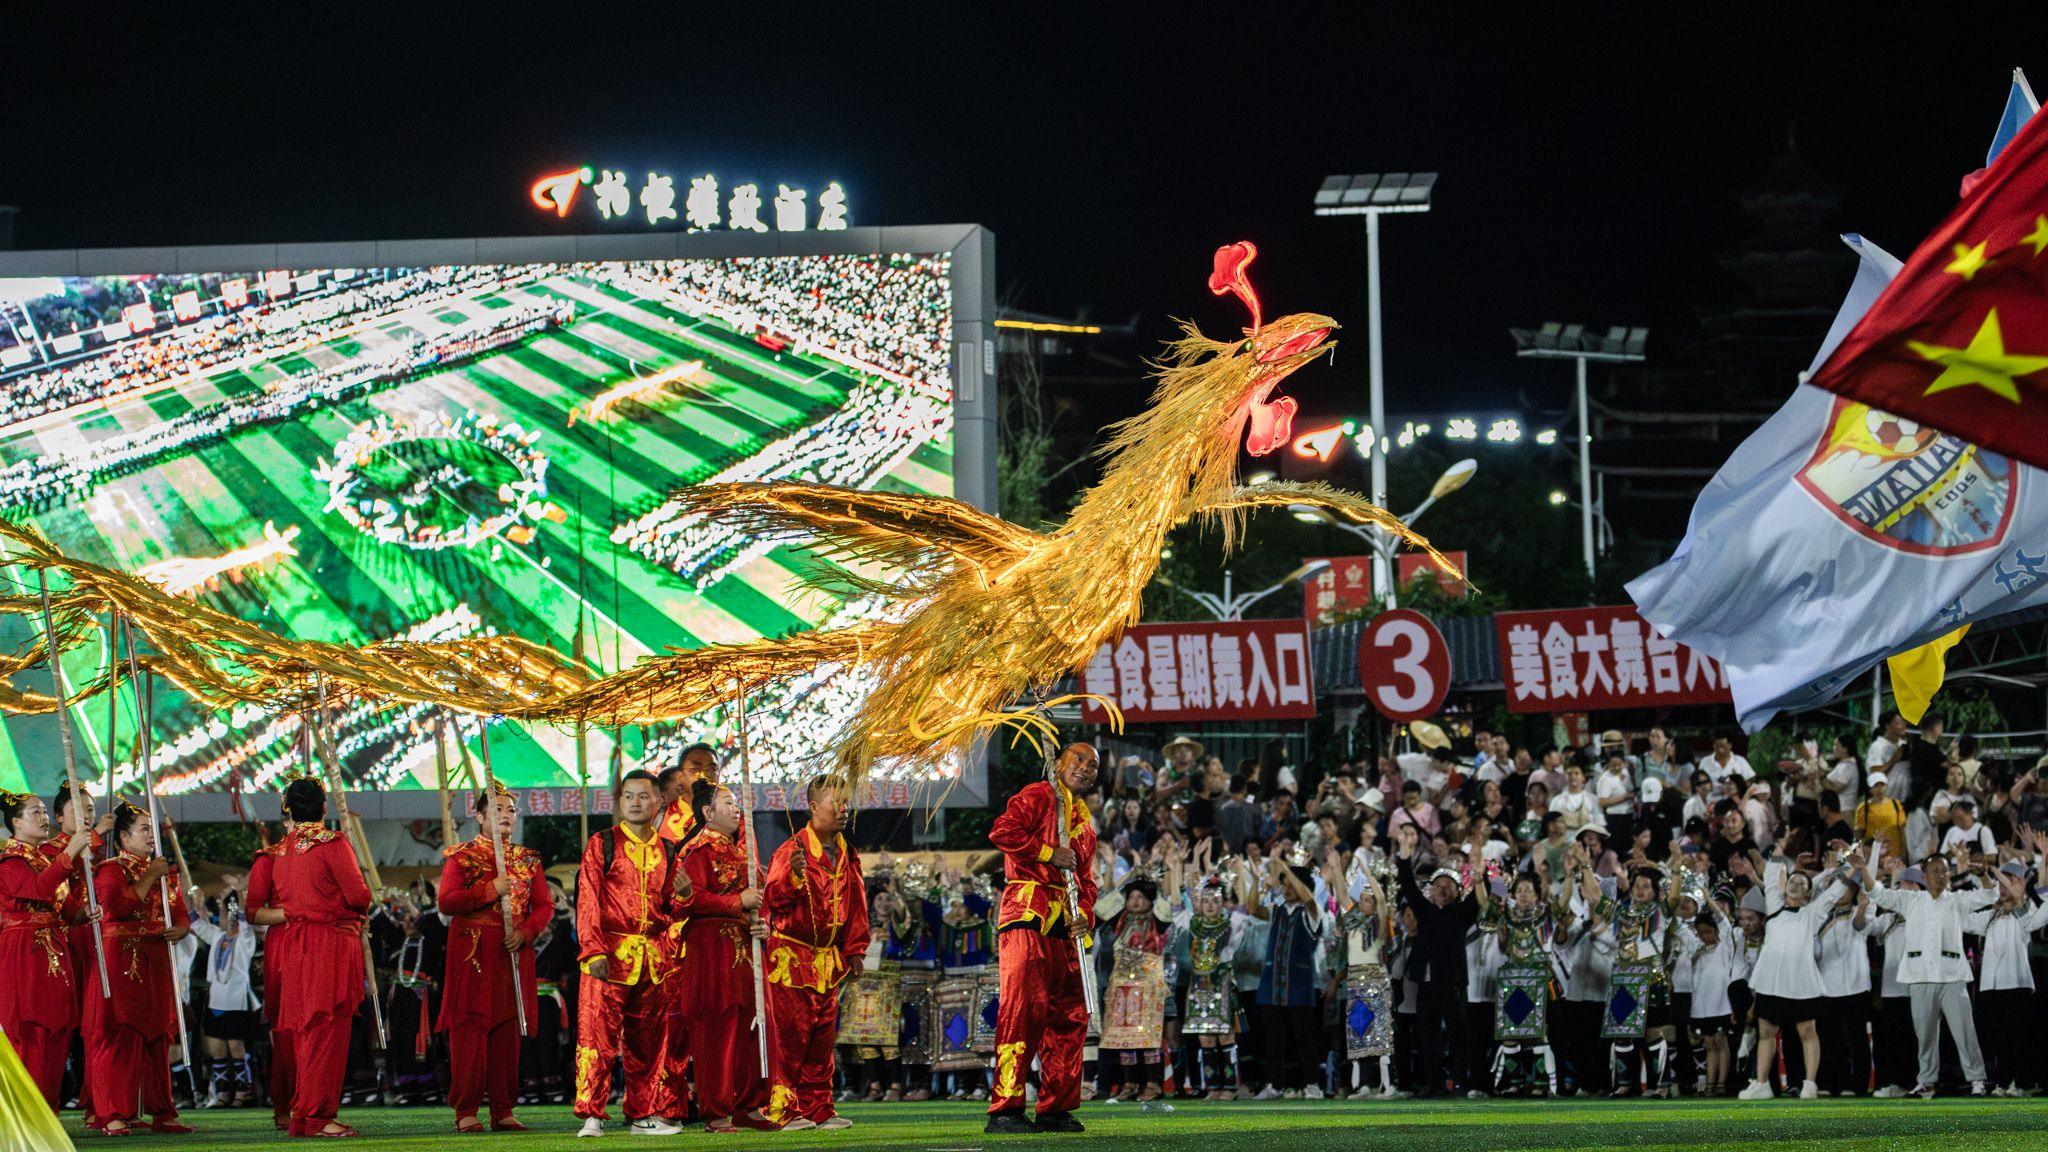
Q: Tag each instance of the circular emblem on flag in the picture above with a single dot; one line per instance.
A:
(1907, 486)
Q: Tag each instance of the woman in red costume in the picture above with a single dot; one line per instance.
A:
(39, 998)
(128, 1035)
(319, 887)
(716, 990)
(476, 1002)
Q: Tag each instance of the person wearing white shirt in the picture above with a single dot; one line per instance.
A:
(1615, 795)
(1936, 971)
(1964, 830)
(1715, 957)
(1887, 754)
(230, 1020)
(1897, 1050)
(1575, 802)
(1786, 978)
(1845, 779)
(1844, 961)
(2005, 981)
(1726, 762)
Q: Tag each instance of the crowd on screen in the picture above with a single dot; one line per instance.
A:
(251, 334)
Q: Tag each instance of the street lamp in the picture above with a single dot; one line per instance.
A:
(1559, 498)
(1573, 342)
(1373, 195)
(1228, 607)
(1379, 539)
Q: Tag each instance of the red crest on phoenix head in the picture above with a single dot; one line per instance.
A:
(1284, 345)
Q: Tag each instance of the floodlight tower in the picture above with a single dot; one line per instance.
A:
(1573, 342)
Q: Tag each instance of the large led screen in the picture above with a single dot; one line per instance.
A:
(351, 454)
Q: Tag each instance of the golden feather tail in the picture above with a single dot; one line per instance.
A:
(689, 681)
(898, 530)
(1349, 505)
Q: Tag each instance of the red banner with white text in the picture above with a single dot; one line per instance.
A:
(1589, 659)
(1222, 670)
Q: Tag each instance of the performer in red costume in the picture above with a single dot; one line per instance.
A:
(1042, 1010)
(622, 910)
(84, 955)
(277, 938)
(678, 785)
(819, 909)
(128, 1035)
(477, 1011)
(39, 982)
(716, 989)
(319, 887)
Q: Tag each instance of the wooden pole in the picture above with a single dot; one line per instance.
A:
(441, 765)
(113, 700)
(753, 881)
(361, 843)
(582, 727)
(487, 821)
(92, 896)
(179, 991)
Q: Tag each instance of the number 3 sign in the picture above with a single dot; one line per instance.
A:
(1404, 665)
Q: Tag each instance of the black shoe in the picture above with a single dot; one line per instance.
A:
(1008, 1124)
(1059, 1122)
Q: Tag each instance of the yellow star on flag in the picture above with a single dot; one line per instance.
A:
(2039, 236)
(1969, 259)
(1984, 363)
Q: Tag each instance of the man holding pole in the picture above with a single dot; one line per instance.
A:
(320, 890)
(717, 992)
(1047, 842)
(622, 911)
(818, 901)
(489, 992)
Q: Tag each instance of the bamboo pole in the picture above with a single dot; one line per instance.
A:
(753, 880)
(92, 896)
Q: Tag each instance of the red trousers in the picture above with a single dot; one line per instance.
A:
(614, 1016)
(675, 1046)
(320, 1064)
(125, 1068)
(483, 1061)
(42, 1051)
(726, 1058)
(1041, 1011)
(806, 1026)
(283, 1076)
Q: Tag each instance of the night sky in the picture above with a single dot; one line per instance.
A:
(1589, 163)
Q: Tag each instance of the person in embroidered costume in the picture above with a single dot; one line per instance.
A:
(1527, 928)
(817, 903)
(477, 1011)
(1041, 1009)
(128, 1035)
(716, 992)
(1639, 931)
(320, 890)
(623, 898)
(1210, 932)
(84, 956)
(39, 981)
(1365, 923)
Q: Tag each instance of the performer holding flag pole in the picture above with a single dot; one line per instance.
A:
(92, 897)
(157, 821)
(1047, 988)
(753, 884)
(352, 831)
(489, 953)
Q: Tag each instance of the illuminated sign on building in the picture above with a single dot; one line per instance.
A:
(705, 204)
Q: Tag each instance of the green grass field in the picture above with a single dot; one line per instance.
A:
(345, 586)
(1295, 1126)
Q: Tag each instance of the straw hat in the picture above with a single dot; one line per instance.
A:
(1182, 741)
(1428, 735)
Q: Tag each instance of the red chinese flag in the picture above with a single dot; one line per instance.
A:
(1959, 341)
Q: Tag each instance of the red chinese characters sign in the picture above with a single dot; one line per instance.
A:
(1339, 590)
(1226, 670)
(1589, 659)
